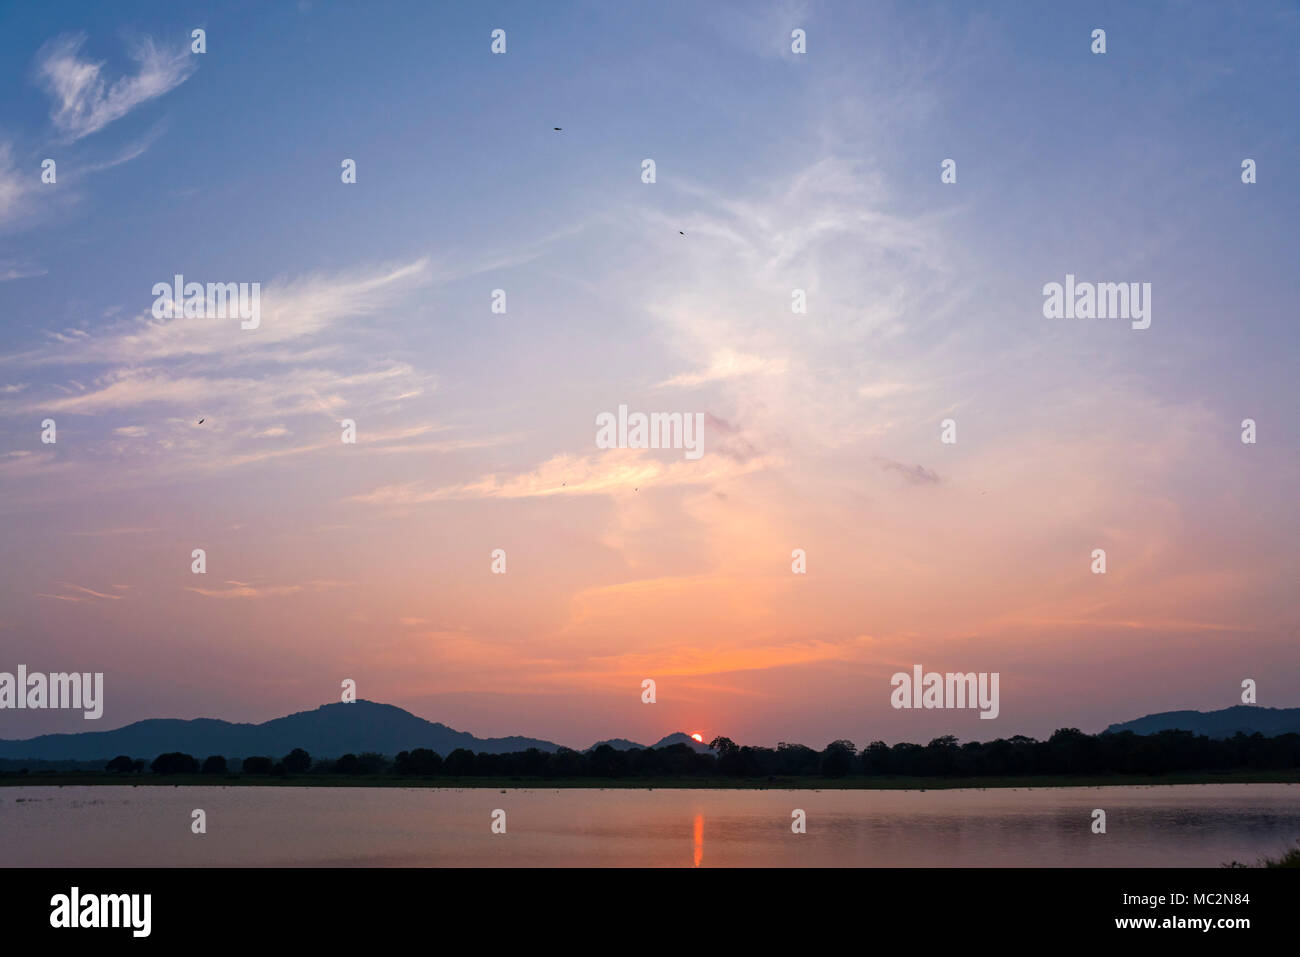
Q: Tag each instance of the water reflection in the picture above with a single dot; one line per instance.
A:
(1171, 826)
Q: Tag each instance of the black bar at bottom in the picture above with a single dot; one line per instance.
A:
(338, 904)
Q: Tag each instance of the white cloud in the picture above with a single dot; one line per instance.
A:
(294, 392)
(603, 473)
(10, 272)
(85, 103)
(15, 188)
(290, 310)
(728, 364)
(274, 393)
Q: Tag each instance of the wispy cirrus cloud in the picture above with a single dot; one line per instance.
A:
(126, 530)
(18, 463)
(20, 184)
(722, 658)
(11, 271)
(84, 592)
(204, 394)
(246, 590)
(915, 474)
(604, 473)
(291, 310)
(293, 392)
(239, 589)
(729, 364)
(85, 101)
(16, 188)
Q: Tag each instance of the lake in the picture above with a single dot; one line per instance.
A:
(1195, 825)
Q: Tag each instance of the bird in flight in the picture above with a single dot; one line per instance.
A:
(201, 421)
(680, 233)
(557, 128)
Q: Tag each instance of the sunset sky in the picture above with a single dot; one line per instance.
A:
(476, 431)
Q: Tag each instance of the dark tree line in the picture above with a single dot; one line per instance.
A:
(1067, 752)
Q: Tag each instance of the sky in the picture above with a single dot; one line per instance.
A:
(775, 171)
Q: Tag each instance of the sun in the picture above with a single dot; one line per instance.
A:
(698, 737)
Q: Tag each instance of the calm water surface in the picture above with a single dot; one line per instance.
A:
(1184, 825)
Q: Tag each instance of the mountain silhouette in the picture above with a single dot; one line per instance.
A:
(1217, 724)
(681, 737)
(333, 730)
(677, 737)
(330, 731)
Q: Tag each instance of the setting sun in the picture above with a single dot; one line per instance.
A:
(698, 737)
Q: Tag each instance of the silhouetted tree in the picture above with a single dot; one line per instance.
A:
(941, 755)
(174, 762)
(459, 763)
(369, 762)
(297, 761)
(257, 765)
(348, 764)
(837, 759)
(421, 761)
(120, 764)
(564, 763)
(729, 758)
(796, 759)
(1068, 751)
(875, 758)
(215, 764)
(607, 761)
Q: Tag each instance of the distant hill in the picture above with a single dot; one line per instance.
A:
(333, 730)
(618, 744)
(681, 737)
(677, 737)
(1217, 724)
(330, 731)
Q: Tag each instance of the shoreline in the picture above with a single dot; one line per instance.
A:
(882, 783)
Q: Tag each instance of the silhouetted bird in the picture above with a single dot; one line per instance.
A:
(201, 421)
(556, 128)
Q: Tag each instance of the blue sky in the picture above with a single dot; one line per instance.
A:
(816, 171)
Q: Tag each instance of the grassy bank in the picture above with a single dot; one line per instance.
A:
(873, 783)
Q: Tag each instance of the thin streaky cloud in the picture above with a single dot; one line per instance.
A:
(915, 474)
(610, 472)
(728, 364)
(290, 310)
(85, 102)
(15, 189)
(113, 531)
(252, 590)
(247, 591)
(89, 591)
(10, 273)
